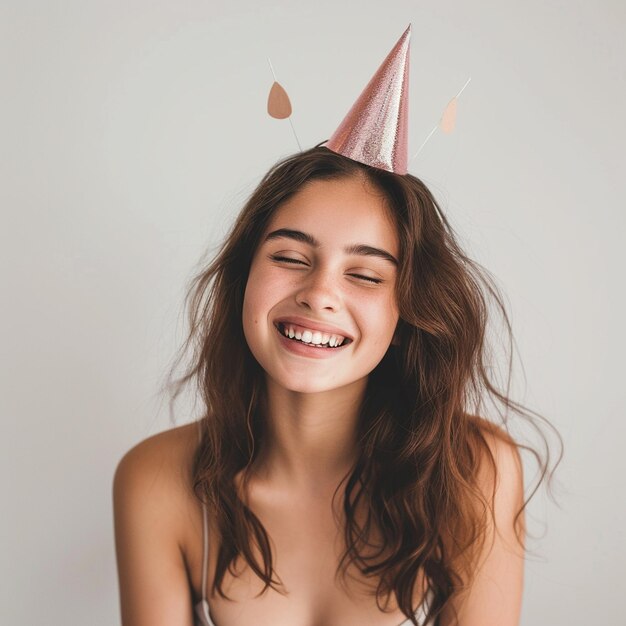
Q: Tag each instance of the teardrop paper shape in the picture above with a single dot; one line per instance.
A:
(448, 119)
(278, 104)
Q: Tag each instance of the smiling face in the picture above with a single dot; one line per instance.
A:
(314, 271)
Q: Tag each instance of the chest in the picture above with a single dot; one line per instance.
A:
(307, 543)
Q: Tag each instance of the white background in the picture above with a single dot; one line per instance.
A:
(130, 135)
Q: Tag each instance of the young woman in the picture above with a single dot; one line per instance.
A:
(341, 474)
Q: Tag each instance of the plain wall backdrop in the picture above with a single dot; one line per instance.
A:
(130, 135)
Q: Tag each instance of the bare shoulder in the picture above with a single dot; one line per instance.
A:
(500, 464)
(159, 462)
(493, 593)
(153, 504)
(153, 480)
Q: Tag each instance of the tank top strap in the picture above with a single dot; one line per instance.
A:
(205, 533)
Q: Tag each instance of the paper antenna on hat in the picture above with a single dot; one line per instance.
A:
(279, 105)
(375, 130)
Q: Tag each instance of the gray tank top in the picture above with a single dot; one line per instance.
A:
(202, 613)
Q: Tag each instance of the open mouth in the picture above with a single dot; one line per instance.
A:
(282, 329)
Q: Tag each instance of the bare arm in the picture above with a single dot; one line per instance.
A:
(494, 596)
(153, 585)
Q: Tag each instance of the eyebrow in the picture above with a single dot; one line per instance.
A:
(360, 249)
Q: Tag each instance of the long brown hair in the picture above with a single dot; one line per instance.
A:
(420, 438)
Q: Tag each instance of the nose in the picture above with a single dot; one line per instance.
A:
(319, 291)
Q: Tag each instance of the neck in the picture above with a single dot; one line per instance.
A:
(311, 442)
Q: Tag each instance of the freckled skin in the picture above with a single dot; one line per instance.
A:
(324, 288)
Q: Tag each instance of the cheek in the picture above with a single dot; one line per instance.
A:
(263, 291)
(250, 300)
(252, 314)
(386, 317)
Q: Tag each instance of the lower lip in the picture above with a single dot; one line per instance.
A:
(303, 350)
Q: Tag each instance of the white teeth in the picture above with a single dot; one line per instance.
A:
(314, 337)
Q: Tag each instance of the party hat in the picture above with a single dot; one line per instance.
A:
(376, 128)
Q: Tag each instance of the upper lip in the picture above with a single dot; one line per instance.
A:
(323, 328)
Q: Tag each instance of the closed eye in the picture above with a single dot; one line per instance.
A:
(290, 260)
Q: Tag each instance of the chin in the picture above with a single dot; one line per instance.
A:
(310, 383)
(309, 386)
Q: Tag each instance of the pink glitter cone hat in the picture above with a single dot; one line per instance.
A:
(376, 128)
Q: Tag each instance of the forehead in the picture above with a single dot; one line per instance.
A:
(336, 212)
